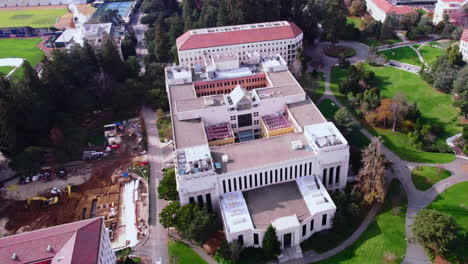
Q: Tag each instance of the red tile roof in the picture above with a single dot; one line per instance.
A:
(389, 8)
(195, 41)
(465, 35)
(77, 242)
(453, 1)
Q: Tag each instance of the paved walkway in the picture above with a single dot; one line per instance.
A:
(156, 245)
(417, 199)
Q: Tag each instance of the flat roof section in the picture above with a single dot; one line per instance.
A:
(281, 78)
(259, 152)
(306, 113)
(275, 201)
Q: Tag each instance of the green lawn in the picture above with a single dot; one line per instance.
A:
(21, 48)
(403, 54)
(328, 108)
(313, 86)
(384, 240)
(443, 44)
(390, 81)
(41, 18)
(454, 202)
(5, 69)
(430, 54)
(358, 22)
(183, 254)
(426, 176)
(369, 41)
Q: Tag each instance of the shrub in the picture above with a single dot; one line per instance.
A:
(270, 243)
(167, 188)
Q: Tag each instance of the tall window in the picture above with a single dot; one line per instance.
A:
(255, 239)
(244, 120)
(311, 225)
(330, 177)
(337, 179)
(324, 176)
(304, 230)
(324, 219)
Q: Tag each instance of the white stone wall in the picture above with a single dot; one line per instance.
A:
(375, 11)
(106, 254)
(265, 48)
(464, 49)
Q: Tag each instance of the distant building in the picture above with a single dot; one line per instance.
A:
(447, 8)
(124, 9)
(263, 39)
(93, 33)
(380, 9)
(25, 3)
(80, 242)
(464, 45)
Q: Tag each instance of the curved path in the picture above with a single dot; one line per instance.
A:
(417, 199)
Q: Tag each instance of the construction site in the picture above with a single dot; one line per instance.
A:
(113, 187)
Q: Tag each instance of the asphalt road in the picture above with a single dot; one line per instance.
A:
(156, 245)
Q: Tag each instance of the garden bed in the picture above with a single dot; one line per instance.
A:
(337, 51)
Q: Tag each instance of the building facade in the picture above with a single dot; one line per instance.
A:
(380, 9)
(447, 8)
(245, 41)
(464, 45)
(85, 241)
(243, 132)
(26, 3)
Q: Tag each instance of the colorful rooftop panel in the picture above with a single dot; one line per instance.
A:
(220, 131)
(273, 122)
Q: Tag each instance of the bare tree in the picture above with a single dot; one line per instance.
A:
(371, 177)
(399, 108)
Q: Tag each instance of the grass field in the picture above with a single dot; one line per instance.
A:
(313, 86)
(403, 54)
(430, 54)
(454, 202)
(6, 69)
(384, 240)
(426, 176)
(358, 22)
(390, 81)
(180, 253)
(328, 108)
(21, 48)
(40, 18)
(375, 42)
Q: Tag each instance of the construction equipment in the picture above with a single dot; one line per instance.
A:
(45, 201)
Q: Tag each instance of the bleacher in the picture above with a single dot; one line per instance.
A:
(23, 3)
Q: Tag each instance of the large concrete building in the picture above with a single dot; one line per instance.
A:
(250, 144)
(262, 39)
(380, 9)
(447, 8)
(84, 241)
(464, 45)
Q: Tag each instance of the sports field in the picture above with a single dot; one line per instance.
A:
(36, 18)
(21, 48)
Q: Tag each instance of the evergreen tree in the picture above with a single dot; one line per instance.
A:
(335, 20)
(111, 61)
(454, 56)
(128, 45)
(188, 7)
(161, 45)
(388, 26)
(222, 18)
(270, 243)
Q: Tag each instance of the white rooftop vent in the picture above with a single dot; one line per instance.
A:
(225, 158)
(14, 257)
(297, 144)
(49, 248)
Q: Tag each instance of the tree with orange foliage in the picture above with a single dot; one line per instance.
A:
(384, 112)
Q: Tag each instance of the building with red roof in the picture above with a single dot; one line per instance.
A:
(380, 9)
(464, 44)
(261, 39)
(82, 242)
(447, 8)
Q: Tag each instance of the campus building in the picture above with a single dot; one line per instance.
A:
(245, 41)
(448, 8)
(464, 45)
(380, 9)
(251, 145)
(84, 241)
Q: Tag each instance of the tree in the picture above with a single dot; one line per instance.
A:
(399, 108)
(201, 226)
(128, 45)
(270, 243)
(357, 8)
(185, 216)
(385, 112)
(371, 177)
(168, 215)
(454, 56)
(335, 20)
(161, 44)
(344, 121)
(222, 18)
(444, 77)
(388, 26)
(111, 61)
(409, 20)
(435, 230)
(167, 188)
